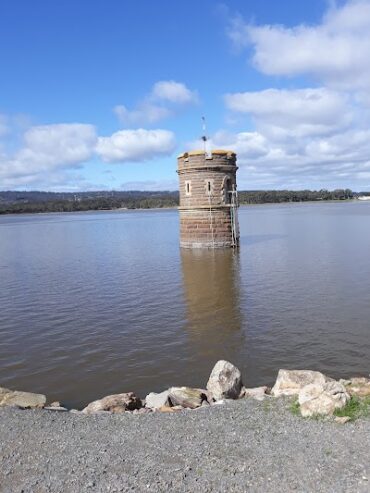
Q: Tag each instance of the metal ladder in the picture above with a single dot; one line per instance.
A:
(234, 204)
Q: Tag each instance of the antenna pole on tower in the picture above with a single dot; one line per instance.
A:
(205, 138)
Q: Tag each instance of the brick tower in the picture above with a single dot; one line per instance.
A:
(208, 200)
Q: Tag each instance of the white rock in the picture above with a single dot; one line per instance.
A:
(155, 401)
(290, 382)
(322, 399)
(221, 402)
(342, 420)
(225, 381)
(55, 404)
(55, 408)
(258, 393)
(21, 399)
(359, 386)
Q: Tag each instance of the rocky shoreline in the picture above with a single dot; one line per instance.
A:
(315, 395)
(224, 438)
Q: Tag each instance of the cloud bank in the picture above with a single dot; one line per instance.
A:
(311, 136)
(51, 154)
(336, 50)
(47, 152)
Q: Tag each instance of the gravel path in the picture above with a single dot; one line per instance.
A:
(240, 446)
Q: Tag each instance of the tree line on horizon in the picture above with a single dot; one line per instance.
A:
(13, 202)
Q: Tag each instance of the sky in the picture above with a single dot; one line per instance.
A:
(103, 95)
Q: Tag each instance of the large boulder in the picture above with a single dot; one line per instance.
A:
(187, 397)
(358, 386)
(290, 382)
(225, 381)
(155, 401)
(24, 400)
(116, 403)
(322, 399)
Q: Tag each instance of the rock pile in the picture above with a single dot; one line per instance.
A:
(316, 394)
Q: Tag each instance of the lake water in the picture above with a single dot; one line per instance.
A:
(106, 302)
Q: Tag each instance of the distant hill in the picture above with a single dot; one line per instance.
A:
(12, 202)
(20, 202)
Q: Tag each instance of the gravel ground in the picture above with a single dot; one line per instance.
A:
(239, 446)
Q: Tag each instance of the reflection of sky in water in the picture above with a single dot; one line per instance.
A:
(96, 303)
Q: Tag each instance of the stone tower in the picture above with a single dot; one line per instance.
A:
(208, 201)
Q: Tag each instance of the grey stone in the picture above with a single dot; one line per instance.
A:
(225, 381)
(187, 397)
(116, 403)
(21, 399)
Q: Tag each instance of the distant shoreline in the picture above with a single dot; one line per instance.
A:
(118, 209)
(127, 209)
(19, 202)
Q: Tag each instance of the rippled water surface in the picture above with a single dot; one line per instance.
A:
(105, 302)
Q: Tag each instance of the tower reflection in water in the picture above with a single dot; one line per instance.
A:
(213, 315)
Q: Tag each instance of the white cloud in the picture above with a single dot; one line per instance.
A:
(135, 145)
(302, 112)
(335, 51)
(46, 150)
(50, 155)
(58, 145)
(163, 101)
(174, 92)
(249, 145)
(339, 160)
(144, 112)
(313, 137)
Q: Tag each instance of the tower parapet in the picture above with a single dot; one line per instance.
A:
(208, 200)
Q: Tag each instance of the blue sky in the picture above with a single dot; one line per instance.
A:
(104, 95)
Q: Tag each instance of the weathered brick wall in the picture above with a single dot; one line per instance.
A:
(204, 199)
(205, 228)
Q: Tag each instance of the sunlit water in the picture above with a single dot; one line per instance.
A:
(106, 302)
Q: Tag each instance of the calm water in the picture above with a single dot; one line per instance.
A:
(99, 303)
